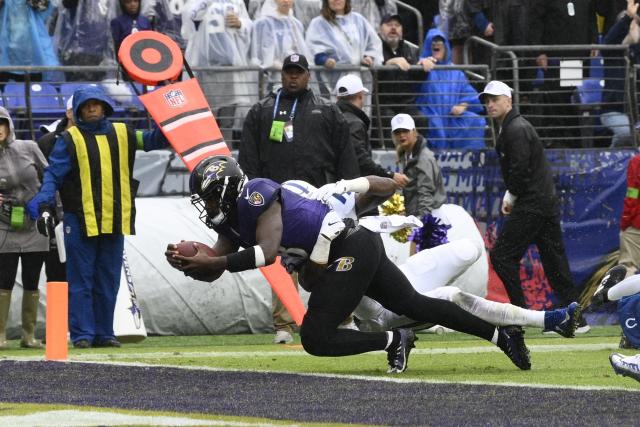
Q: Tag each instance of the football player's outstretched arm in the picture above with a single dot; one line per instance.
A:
(380, 189)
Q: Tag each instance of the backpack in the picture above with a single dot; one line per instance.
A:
(629, 318)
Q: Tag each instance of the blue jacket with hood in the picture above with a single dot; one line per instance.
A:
(440, 91)
(60, 161)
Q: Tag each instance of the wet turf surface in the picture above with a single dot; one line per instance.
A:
(310, 399)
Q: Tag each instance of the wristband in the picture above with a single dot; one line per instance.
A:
(247, 259)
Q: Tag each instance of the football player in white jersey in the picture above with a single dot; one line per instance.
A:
(456, 271)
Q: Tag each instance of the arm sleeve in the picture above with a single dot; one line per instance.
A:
(518, 154)
(59, 167)
(618, 32)
(149, 140)
(347, 162)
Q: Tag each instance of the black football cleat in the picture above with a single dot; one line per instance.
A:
(511, 342)
(398, 356)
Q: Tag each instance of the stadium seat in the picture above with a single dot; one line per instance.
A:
(46, 105)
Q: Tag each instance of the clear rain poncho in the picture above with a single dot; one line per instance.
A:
(274, 37)
(23, 36)
(82, 33)
(347, 41)
(212, 43)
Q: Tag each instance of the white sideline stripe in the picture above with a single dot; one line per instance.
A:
(70, 417)
(298, 353)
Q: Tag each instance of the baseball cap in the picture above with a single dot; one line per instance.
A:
(402, 121)
(391, 16)
(296, 60)
(350, 85)
(495, 87)
(70, 103)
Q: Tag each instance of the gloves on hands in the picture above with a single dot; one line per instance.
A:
(45, 223)
(332, 226)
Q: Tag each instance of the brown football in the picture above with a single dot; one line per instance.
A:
(187, 248)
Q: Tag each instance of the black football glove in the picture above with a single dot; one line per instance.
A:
(45, 223)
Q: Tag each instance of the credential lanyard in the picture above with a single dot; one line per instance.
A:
(275, 107)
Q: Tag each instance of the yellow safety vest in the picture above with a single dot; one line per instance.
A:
(100, 189)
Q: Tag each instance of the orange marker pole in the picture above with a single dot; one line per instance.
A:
(57, 321)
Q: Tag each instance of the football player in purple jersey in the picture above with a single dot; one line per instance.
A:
(345, 263)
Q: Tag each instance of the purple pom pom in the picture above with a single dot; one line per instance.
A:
(433, 233)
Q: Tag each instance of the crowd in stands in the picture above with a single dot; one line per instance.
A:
(335, 34)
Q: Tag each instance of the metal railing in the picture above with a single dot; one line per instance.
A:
(564, 102)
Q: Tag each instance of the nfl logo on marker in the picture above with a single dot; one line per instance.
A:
(175, 98)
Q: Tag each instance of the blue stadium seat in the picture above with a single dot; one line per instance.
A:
(67, 89)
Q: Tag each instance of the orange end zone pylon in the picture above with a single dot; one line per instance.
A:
(182, 112)
(57, 321)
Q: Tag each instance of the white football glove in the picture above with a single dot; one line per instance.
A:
(332, 226)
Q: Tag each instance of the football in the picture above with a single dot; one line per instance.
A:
(187, 248)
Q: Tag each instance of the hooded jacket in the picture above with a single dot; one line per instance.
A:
(21, 166)
(440, 91)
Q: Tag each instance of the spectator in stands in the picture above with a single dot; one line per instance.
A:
(340, 36)
(24, 39)
(291, 134)
(81, 39)
(94, 226)
(351, 93)
(54, 269)
(165, 18)
(128, 23)
(458, 19)
(448, 101)
(425, 190)
(557, 22)
(397, 88)
(626, 31)
(21, 166)
(530, 204)
(276, 35)
(218, 33)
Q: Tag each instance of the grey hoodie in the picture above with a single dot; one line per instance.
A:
(21, 166)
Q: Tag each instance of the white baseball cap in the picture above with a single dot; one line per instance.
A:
(495, 87)
(70, 103)
(350, 85)
(402, 121)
